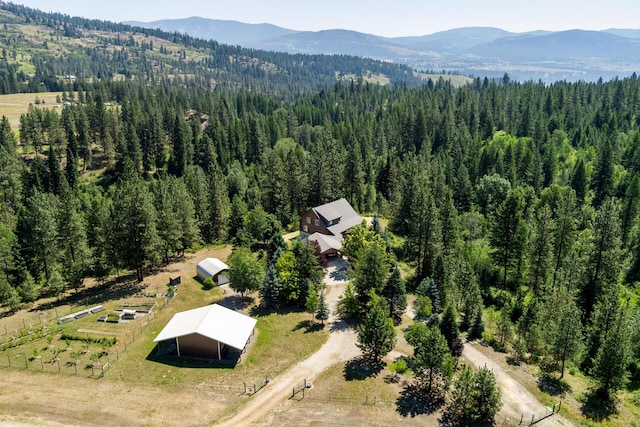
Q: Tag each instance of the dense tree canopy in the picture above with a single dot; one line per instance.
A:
(497, 194)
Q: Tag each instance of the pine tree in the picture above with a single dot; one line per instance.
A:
(28, 290)
(135, 235)
(486, 395)
(604, 261)
(541, 255)
(602, 180)
(449, 325)
(476, 328)
(370, 272)
(271, 289)
(462, 406)
(434, 294)
(504, 330)
(631, 208)
(579, 180)
(566, 340)
(396, 294)
(613, 357)
(376, 334)
(275, 247)
(37, 232)
(432, 363)
(323, 309)
(311, 304)
(507, 235)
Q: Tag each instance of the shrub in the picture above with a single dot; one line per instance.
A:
(208, 283)
(105, 342)
(399, 366)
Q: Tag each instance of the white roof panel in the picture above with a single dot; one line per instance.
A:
(212, 321)
(212, 266)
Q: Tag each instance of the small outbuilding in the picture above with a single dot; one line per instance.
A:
(214, 268)
(208, 332)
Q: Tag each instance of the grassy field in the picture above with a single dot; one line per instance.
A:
(13, 105)
(281, 341)
(455, 80)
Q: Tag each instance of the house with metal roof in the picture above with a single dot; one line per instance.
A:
(209, 332)
(327, 225)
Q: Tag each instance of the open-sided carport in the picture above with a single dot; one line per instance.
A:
(208, 332)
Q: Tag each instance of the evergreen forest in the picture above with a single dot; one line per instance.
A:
(518, 199)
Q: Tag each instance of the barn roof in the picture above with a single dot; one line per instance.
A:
(212, 321)
(212, 266)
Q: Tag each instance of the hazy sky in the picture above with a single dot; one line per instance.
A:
(385, 18)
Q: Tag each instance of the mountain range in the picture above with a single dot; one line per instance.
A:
(478, 51)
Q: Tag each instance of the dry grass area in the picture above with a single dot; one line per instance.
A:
(455, 79)
(16, 104)
(139, 388)
(334, 401)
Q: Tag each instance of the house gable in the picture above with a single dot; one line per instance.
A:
(331, 219)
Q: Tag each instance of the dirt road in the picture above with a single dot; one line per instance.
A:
(341, 346)
(517, 401)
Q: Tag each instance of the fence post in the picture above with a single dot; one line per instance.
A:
(9, 360)
(531, 420)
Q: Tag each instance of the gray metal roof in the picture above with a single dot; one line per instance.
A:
(337, 210)
(326, 242)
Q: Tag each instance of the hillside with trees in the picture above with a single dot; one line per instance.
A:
(519, 201)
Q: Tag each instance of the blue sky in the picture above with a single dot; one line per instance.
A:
(380, 17)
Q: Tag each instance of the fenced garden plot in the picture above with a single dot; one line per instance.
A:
(26, 336)
(15, 324)
(58, 355)
(139, 307)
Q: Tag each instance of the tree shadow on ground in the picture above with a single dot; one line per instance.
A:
(512, 361)
(447, 421)
(340, 325)
(552, 385)
(599, 406)
(415, 400)
(339, 274)
(236, 302)
(113, 289)
(309, 326)
(361, 369)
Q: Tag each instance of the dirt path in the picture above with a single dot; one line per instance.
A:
(517, 401)
(339, 347)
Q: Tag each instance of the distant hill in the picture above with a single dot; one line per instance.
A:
(227, 32)
(478, 51)
(342, 42)
(42, 48)
(562, 45)
(624, 32)
(455, 40)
